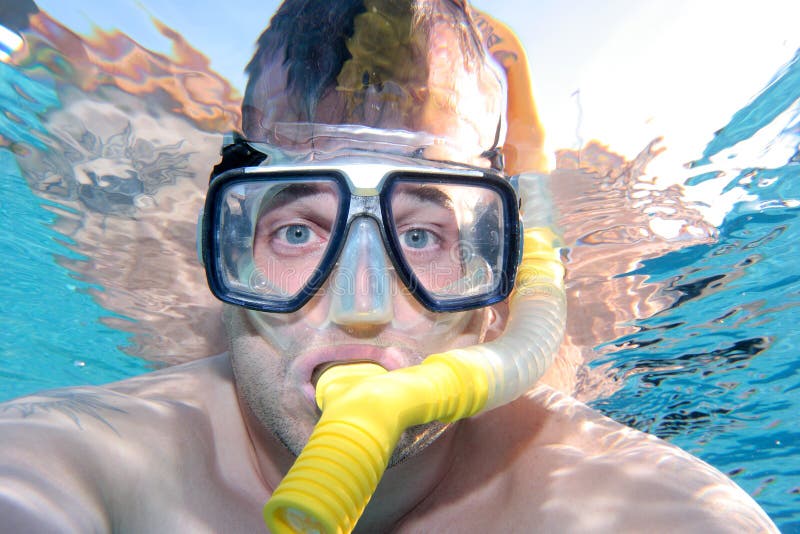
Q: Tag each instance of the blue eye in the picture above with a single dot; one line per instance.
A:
(297, 234)
(416, 238)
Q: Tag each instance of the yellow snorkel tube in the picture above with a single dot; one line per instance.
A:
(365, 408)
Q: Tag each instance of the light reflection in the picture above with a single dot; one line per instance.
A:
(124, 152)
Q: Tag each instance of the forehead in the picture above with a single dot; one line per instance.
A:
(455, 92)
(454, 85)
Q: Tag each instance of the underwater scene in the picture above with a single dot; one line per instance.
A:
(674, 143)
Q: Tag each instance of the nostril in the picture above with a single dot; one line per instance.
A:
(365, 328)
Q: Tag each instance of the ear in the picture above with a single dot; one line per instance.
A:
(497, 317)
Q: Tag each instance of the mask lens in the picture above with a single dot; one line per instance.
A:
(450, 236)
(271, 239)
(274, 235)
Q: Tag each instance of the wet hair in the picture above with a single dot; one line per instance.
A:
(308, 38)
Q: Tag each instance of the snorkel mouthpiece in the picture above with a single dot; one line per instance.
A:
(365, 408)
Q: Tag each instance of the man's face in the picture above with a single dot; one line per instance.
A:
(352, 317)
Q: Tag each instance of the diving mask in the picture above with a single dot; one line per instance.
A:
(272, 234)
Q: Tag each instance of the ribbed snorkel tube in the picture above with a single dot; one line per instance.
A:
(365, 409)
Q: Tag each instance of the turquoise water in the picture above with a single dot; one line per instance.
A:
(51, 331)
(715, 372)
(52, 334)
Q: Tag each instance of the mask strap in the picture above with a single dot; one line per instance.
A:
(236, 153)
(495, 154)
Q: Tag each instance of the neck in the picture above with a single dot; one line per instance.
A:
(401, 489)
(407, 484)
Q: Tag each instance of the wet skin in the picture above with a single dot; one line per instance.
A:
(172, 452)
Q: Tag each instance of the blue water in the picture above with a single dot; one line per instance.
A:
(716, 372)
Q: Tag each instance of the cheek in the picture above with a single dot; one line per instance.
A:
(252, 342)
(439, 332)
(407, 310)
(275, 335)
(473, 330)
(258, 379)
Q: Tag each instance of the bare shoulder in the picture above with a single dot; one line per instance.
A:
(68, 455)
(627, 480)
(97, 411)
(549, 460)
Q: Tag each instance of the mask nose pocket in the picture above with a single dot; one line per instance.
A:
(361, 284)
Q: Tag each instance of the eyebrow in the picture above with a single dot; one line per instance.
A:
(429, 194)
(294, 193)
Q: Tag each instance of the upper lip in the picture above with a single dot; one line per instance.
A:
(389, 358)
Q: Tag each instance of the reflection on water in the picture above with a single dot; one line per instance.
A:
(122, 140)
(679, 327)
(613, 216)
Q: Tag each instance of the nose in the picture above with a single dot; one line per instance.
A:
(361, 282)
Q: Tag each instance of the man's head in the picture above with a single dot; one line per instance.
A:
(415, 65)
(417, 71)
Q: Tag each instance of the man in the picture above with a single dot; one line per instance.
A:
(201, 446)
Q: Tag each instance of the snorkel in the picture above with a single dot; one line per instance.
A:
(365, 408)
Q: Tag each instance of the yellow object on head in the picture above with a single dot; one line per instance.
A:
(384, 56)
(524, 145)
